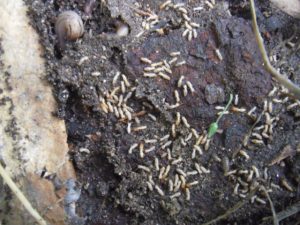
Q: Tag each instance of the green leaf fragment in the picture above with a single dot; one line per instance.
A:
(212, 129)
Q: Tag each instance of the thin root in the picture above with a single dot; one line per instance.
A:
(294, 89)
(13, 187)
(237, 206)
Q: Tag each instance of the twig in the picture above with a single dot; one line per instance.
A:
(237, 206)
(291, 210)
(13, 187)
(294, 89)
(275, 218)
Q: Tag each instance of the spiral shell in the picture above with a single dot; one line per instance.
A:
(68, 26)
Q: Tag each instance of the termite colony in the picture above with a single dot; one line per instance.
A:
(165, 156)
(184, 19)
(261, 134)
(170, 163)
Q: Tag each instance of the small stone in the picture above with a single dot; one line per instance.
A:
(214, 94)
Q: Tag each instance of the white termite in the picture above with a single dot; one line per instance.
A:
(127, 83)
(132, 147)
(150, 75)
(145, 168)
(146, 60)
(207, 145)
(161, 172)
(190, 37)
(122, 115)
(250, 176)
(178, 119)
(189, 137)
(209, 4)
(159, 191)
(194, 153)
(266, 173)
(116, 77)
(236, 189)
(186, 17)
(150, 141)
(198, 149)
(184, 33)
(176, 161)
(177, 186)
(156, 164)
(176, 94)
(261, 201)
(164, 76)
(173, 60)
(173, 54)
(139, 128)
(150, 149)
(129, 128)
(141, 150)
(193, 183)
(185, 122)
(188, 194)
(188, 26)
(197, 167)
(257, 135)
(152, 116)
(204, 170)
(110, 107)
(182, 142)
(167, 170)
(167, 144)
(270, 107)
(181, 172)
(157, 64)
(172, 106)
(180, 81)
(82, 60)
(256, 171)
(272, 92)
(176, 195)
(150, 179)
(183, 10)
(165, 4)
(180, 63)
(166, 137)
(159, 69)
(185, 90)
(190, 86)
(169, 154)
(173, 130)
(245, 154)
(183, 181)
(168, 70)
(149, 68)
(171, 185)
(219, 55)
(150, 187)
(195, 133)
(191, 173)
(236, 100)
(265, 105)
(116, 111)
(123, 87)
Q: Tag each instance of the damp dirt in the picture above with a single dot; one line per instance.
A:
(122, 188)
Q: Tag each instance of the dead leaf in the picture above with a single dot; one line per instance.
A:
(291, 7)
(286, 152)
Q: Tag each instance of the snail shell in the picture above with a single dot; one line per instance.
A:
(68, 26)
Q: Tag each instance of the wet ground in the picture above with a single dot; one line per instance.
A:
(137, 110)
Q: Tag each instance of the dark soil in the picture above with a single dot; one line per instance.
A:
(114, 189)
